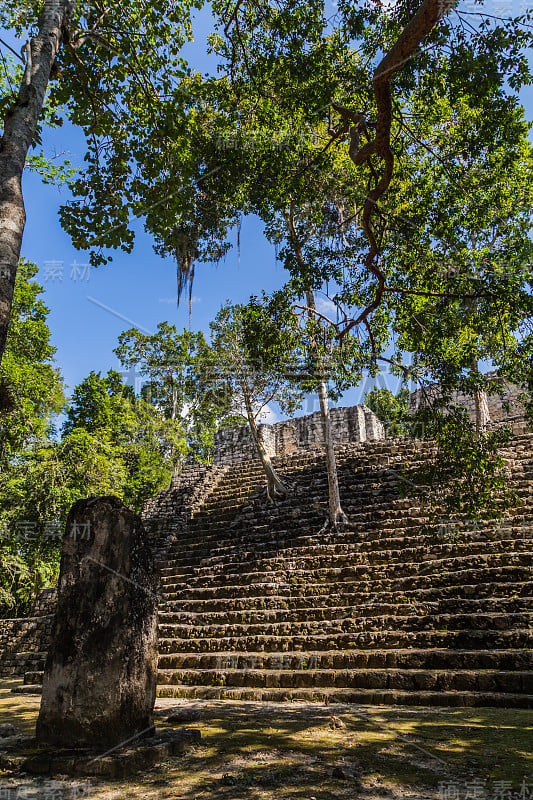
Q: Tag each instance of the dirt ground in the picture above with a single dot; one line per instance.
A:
(313, 752)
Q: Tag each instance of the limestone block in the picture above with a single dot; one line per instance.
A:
(350, 424)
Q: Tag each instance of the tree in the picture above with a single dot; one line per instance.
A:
(110, 69)
(280, 325)
(299, 56)
(392, 409)
(468, 476)
(336, 514)
(431, 218)
(258, 47)
(168, 361)
(20, 128)
(177, 368)
(251, 384)
(34, 393)
(32, 382)
(98, 404)
(281, 64)
(113, 443)
(139, 446)
(258, 43)
(464, 280)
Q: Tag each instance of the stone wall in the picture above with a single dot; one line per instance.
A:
(23, 639)
(349, 424)
(508, 393)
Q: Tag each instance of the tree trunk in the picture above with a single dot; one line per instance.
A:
(336, 514)
(174, 408)
(480, 403)
(20, 125)
(275, 488)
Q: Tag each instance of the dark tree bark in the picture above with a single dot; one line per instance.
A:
(20, 126)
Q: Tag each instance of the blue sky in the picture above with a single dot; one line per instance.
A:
(138, 288)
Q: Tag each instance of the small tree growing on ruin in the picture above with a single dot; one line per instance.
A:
(250, 383)
(336, 514)
(316, 362)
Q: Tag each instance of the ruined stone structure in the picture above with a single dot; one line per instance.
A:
(99, 682)
(509, 393)
(351, 424)
(256, 604)
(24, 640)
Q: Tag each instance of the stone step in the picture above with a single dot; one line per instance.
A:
(352, 624)
(465, 639)
(28, 689)
(405, 680)
(224, 538)
(257, 604)
(356, 489)
(375, 543)
(304, 481)
(283, 572)
(501, 660)
(354, 696)
(440, 680)
(261, 541)
(304, 603)
(325, 555)
(238, 490)
(230, 616)
(298, 588)
(385, 469)
(305, 524)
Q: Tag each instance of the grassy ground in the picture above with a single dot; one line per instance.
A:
(299, 751)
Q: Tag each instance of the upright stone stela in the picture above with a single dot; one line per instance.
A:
(100, 676)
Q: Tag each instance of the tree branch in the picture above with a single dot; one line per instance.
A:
(429, 13)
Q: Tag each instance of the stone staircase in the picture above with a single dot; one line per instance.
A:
(257, 603)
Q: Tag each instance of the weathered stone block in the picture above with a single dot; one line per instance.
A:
(509, 393)
(100, 677)
(351, 424)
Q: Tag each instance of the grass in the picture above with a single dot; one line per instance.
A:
(293, 750)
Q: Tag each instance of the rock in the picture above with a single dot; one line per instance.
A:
(7, 730)
(336, 722)
(340, 774)
(182, 715)
(100, 677)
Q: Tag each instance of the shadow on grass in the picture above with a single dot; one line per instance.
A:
(300, 751)
(248, 750)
